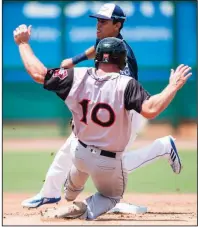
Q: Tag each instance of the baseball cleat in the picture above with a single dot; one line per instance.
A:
(75, 210)
(38, 201)
(174, 159)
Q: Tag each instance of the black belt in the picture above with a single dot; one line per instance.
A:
(103, 152)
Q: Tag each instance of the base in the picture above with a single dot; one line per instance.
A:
(128, 209)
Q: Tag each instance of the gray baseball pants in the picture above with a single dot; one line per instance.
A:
(107, 173)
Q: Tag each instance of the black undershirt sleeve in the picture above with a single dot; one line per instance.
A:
(59, 80)
(134, 96)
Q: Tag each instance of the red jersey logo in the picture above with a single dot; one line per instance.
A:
(60, 73)
(105, 57)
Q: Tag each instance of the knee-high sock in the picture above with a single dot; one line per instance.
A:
(98, 204)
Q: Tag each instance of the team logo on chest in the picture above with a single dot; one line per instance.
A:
(60, 73)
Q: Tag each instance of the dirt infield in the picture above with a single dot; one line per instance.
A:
(55, 144)
(163, 209)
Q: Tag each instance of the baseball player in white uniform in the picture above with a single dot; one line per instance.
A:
(100, 101)
(109, 21)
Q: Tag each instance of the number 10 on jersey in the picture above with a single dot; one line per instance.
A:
(98, 106)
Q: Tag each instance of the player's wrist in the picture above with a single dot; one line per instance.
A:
(172, 87)
(78, 58)
(23, 44)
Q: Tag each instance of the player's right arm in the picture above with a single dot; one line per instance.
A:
(71, 62)
(151, 106)
(33, 65)
(58, 80)
(90, 53)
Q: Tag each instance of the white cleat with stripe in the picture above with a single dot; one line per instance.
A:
(174, 159)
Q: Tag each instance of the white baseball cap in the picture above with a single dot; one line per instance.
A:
(110, 11)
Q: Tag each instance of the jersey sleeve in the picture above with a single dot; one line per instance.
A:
(59, 80)
(134, 96)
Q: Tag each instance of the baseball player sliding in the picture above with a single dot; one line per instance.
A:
(110, 22)
(100, 100)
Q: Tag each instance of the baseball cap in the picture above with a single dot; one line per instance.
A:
(110, 11)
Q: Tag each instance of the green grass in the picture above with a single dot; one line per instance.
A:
(37, 130)
(159, 177)
(25, 172)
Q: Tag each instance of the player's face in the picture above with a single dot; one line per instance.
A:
(106, 28)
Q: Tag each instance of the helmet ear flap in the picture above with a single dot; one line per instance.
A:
(120, 60)
(98, 58)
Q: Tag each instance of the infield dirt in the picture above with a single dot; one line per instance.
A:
(163, 209)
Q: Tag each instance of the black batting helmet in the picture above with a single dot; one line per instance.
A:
(111, 50)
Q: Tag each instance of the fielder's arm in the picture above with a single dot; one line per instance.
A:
(71, 62)
(33, 65)
(90, 52)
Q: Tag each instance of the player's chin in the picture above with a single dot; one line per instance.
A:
(99, 35)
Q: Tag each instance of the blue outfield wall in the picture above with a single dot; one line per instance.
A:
(161, 33)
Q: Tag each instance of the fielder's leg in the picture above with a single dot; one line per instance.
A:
(58, 171)
(138, 122)
(161, 148)
(55, 177)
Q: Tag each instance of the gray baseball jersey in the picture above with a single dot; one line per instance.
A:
(101, 103)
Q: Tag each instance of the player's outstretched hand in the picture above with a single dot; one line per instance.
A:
(179, 77)
(67, 63)
(22, 34)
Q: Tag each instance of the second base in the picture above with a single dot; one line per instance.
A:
(128, 209)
